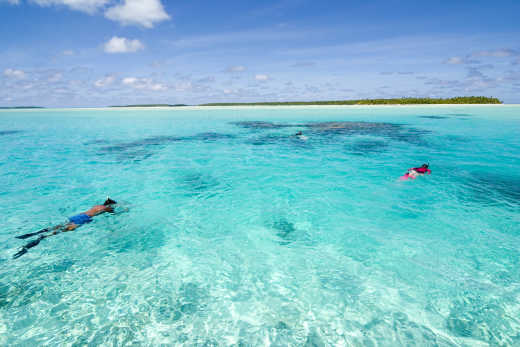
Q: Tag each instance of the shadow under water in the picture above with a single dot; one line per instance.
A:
(148, 141)
(284, 229)
(199, 184)
(10, 132)
(262, 125)
(142, 149)
(365, 147)
(434, 117)
(396, 132)
(494, 188)
(459, 115)
(392, 131)
(97, 142)
(271, 139)
(209, 137)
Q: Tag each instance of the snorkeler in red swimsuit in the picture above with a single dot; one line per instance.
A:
(417, 171)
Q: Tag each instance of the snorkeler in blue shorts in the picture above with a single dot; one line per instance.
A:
(73, 223)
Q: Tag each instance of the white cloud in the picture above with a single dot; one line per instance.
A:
(143, 83)
(122, 45)
(261, 77)
(68, 52)
(236, 68)
(129, 80)
(454, 60)
(105, 81)
(145, 13)
(12, 73)
(89, 6)
(14, 2)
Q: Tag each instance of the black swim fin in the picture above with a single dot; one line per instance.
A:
(20, 253)
(32, 234)
(27, 246)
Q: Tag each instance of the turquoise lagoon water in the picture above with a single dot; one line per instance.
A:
(239, 235)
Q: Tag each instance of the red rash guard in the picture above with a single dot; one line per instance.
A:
(422, 170)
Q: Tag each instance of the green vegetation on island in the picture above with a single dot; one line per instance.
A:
(151, 105)
(395, 101)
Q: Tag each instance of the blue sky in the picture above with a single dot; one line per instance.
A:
(112, 52)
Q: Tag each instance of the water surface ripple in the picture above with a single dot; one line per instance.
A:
(240, 233)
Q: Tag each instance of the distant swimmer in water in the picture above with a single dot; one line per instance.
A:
(414, 172)
(73, 223)
(299, 135)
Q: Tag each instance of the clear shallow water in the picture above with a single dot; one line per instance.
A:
(239, 235)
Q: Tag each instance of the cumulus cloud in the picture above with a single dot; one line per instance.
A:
(12, 73)
(236, 68)
(105, 81)
(145, 13)
(261, 77)
(143, 83)
(122, 45)
(89, 6)
(130, 80)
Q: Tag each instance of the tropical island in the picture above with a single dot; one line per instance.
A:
(394, 101)
(151, 105)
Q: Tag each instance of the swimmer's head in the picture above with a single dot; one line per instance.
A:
(109, 202)
(425, 166)
(299, 133)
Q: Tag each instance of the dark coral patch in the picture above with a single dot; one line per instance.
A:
(149, 141)
(433, 117)
(210, 137)
(283, 228)
(10, 132)
(364, 147)
(262, 125)
(142, 149)
(494, 188)
(324, 130)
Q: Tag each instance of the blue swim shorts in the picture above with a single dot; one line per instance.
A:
(80, 219)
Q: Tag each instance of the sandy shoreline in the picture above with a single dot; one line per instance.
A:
(185, 108)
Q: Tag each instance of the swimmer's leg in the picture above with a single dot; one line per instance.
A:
(27, 246)
(70, 227)
(413, 174)
(55, 230)
(39, 232)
